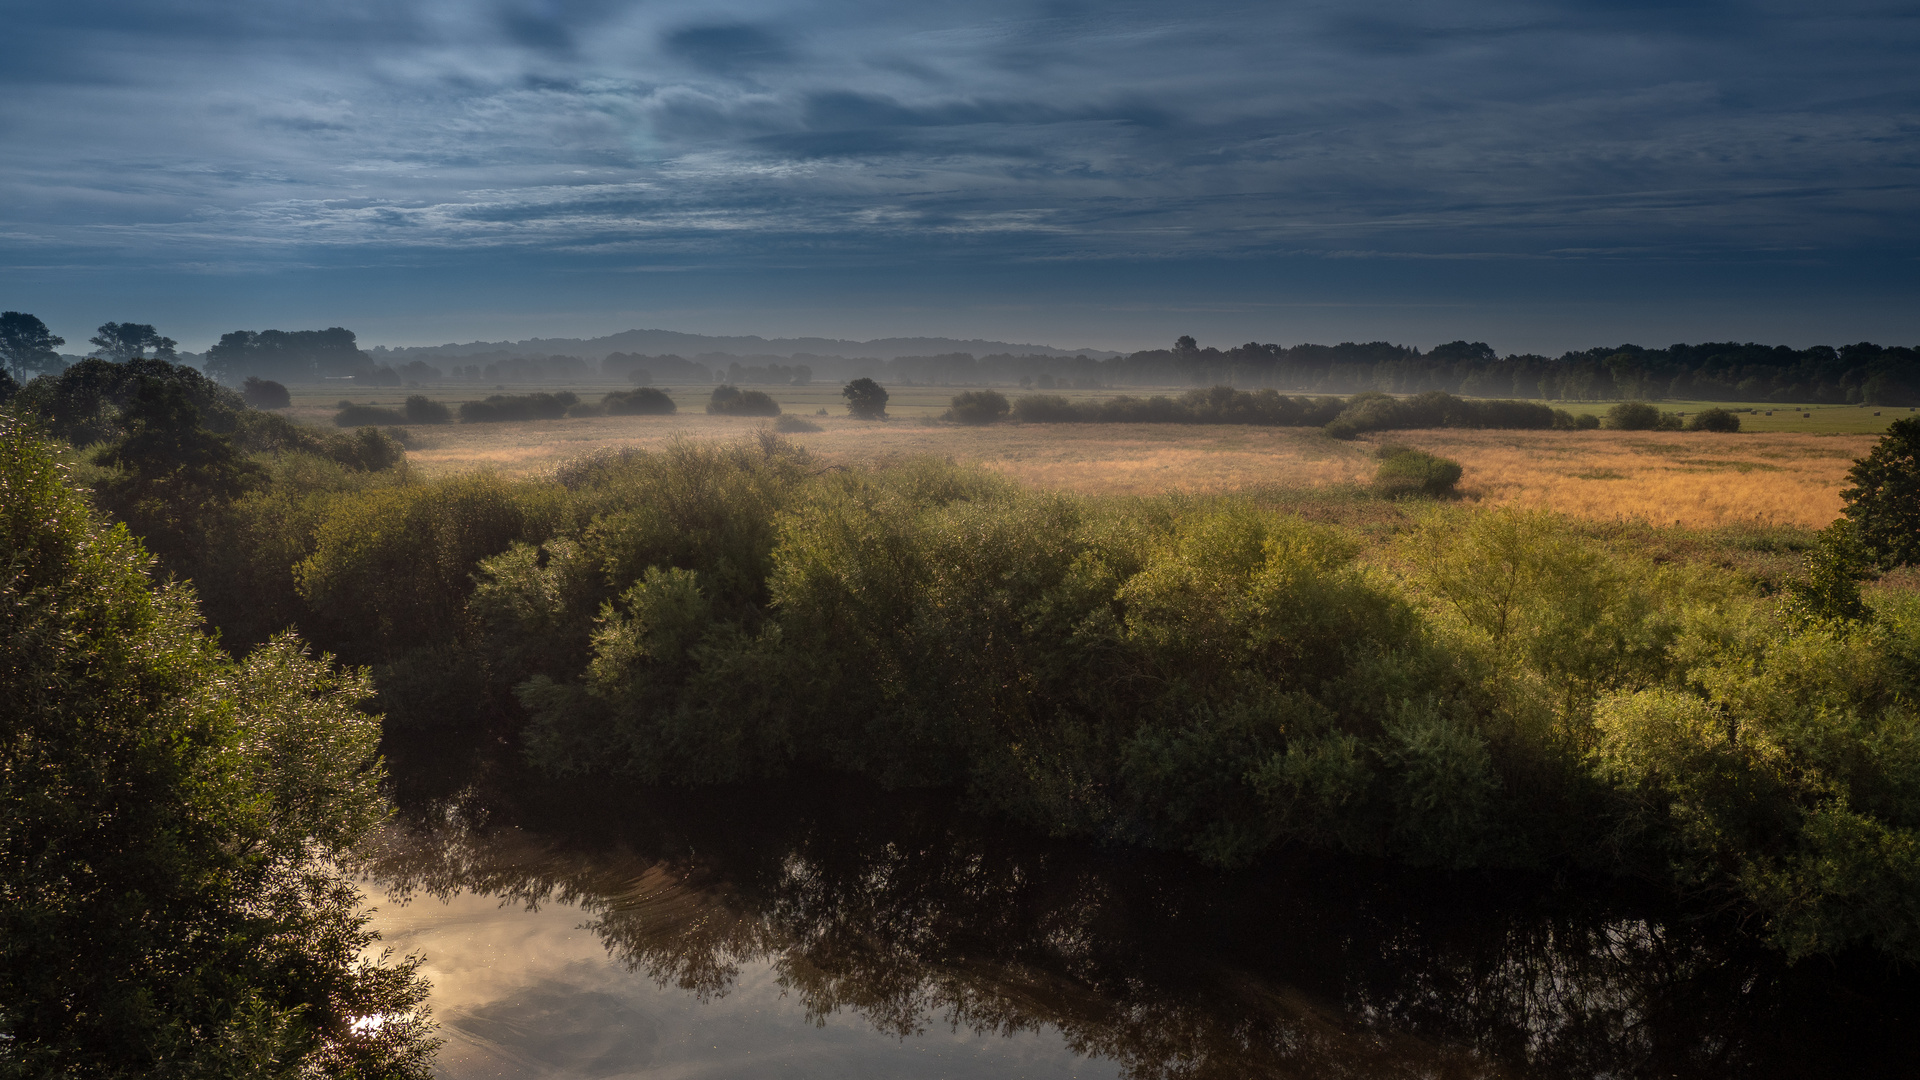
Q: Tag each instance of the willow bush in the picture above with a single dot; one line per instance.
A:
(1484, 688)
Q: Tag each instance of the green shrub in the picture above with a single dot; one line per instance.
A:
(1640, 416)
(641, 401)
(82, 404)
(1566, 421)
(733, 401)
(975, 407)
(265, 393)
(1713, 420)
(794, 425)
(421, 409)
(1406, 471)
(392, 567)
(1786, 774)
(352, 415)
(1044, 409)
(504, 408)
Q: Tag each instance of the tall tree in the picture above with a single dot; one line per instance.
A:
(176, 828)
(27, 347)
(121, 342)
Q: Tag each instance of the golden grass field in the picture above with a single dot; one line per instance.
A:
(1687, 478)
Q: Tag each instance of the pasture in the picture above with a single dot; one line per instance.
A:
(1783, 469)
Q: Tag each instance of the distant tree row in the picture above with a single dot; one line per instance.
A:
(1862, 373)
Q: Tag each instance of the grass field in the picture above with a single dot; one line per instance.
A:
(1785, 469)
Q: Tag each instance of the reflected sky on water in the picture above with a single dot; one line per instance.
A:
(827, 929)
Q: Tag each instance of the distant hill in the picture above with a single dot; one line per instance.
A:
(671, 341)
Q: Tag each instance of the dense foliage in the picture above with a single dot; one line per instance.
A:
(733, 401)
(265, 393)
(174, 826)
(1490, 689)
(1485, 688)
(640, 401)
(1343, 418)
(1884, 502)
(503, 407)
(866, 399)
(976, 407)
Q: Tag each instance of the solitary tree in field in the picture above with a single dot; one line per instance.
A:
(27, 346)
(121, 342)
(1884, 501)
(866, 399)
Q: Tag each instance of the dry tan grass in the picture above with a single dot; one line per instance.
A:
(1692, 478)
(1687, 478)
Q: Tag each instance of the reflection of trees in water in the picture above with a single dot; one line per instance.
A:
(908, 914)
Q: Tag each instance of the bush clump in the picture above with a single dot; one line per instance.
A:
(1566, 421)
(977, 407)
(1381, 412)
(1406, 471)
(352, 415)
(1640, 416)
(640, 401)
(265, 393)
(421, 409)
(500, 408)
(733, 401)
(1713, 420)
(794, 425)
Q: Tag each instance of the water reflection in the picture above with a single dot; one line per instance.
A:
(926, 925)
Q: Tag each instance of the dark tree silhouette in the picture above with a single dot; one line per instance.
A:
(174, 474)
(121, 342)
(865, 399)
(265, 394)
(27, 347)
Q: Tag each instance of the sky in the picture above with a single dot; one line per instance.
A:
(1539, 175)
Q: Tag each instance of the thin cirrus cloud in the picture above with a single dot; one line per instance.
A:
(832, 135)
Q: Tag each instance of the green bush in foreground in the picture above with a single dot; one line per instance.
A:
(175, 828)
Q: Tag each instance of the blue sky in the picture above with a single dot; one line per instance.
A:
(1539, 175)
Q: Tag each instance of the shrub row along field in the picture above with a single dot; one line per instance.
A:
(1449, 687)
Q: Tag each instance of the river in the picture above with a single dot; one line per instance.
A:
(824, 928)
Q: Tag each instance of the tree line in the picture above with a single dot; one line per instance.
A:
(1861, 373)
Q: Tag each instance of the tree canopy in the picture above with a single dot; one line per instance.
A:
(1884, 501)
(865, 399)
(175, 827)
(120, 342)
(27, 347)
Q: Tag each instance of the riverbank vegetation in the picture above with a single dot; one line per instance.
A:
(1436, 684)
(179, 828)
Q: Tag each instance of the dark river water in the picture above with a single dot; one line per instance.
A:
(827, 929)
